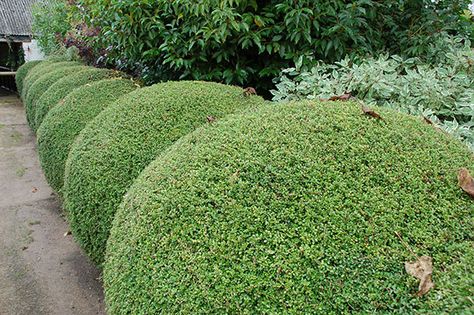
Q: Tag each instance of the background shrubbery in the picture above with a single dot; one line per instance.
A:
(248, 42)
(442, 91)
(50, 24)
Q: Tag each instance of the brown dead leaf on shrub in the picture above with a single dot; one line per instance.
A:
(421, 269)
(466, 182)
(343, 97)
(211, 119)
(427, 120)
(250, 91)
(370, 112)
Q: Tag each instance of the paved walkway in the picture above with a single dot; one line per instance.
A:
(42, 270)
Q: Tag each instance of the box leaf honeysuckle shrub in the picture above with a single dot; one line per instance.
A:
(22, 72)
(120, 142)
(44, 82)
(295, 208)
(63, 123)
(44, 67)
(64, 86)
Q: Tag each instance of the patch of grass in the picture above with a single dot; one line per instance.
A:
(20, 172)
(294, 209)
(16, 136)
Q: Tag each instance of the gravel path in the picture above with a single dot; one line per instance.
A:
(42, 270)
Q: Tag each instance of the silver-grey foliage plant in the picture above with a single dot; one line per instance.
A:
(442, 90)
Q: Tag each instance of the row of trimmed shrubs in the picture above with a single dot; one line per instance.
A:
(196, 198)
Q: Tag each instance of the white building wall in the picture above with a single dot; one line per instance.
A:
(32, 51)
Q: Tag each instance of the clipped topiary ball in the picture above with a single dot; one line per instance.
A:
(295, 208)
(116, 146)
(40, 70)
(64, 86)
(41, 86)
(65, 121)
(22, 72)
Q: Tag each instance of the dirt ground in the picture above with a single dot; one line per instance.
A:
(42, 269)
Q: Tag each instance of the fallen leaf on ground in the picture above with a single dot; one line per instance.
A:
(250, 91)
(370, 112)
(34, 190)
(466, 182)
(421, 269)
(343, 97)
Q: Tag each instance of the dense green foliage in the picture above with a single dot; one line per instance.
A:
(50, 24)
(444, 92)
(40, 86)
(63, 87)
(22, 72)
(293, 209)
(35, 73)
(64, 123)
(249, 41)
(120, 142)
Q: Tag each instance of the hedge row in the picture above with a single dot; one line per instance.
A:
(22, 72)
(295, 209)
(64, 123)
(63, 87)
(38, 71)
(112, 151)
(207, 200)
(42, 85)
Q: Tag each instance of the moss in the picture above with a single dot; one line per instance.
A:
(22, 72)
(116, 146)
(293, 209)
(41, 85)
(63, 123)
(63, 87)
(38, 71)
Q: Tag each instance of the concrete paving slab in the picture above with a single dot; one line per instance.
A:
(42, 269)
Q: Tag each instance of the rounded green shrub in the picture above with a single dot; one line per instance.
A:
(120, 142)
(38, 71)
(41, 85)
(64, 86)
(295, 209)
(22, 72)
(64, 122)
